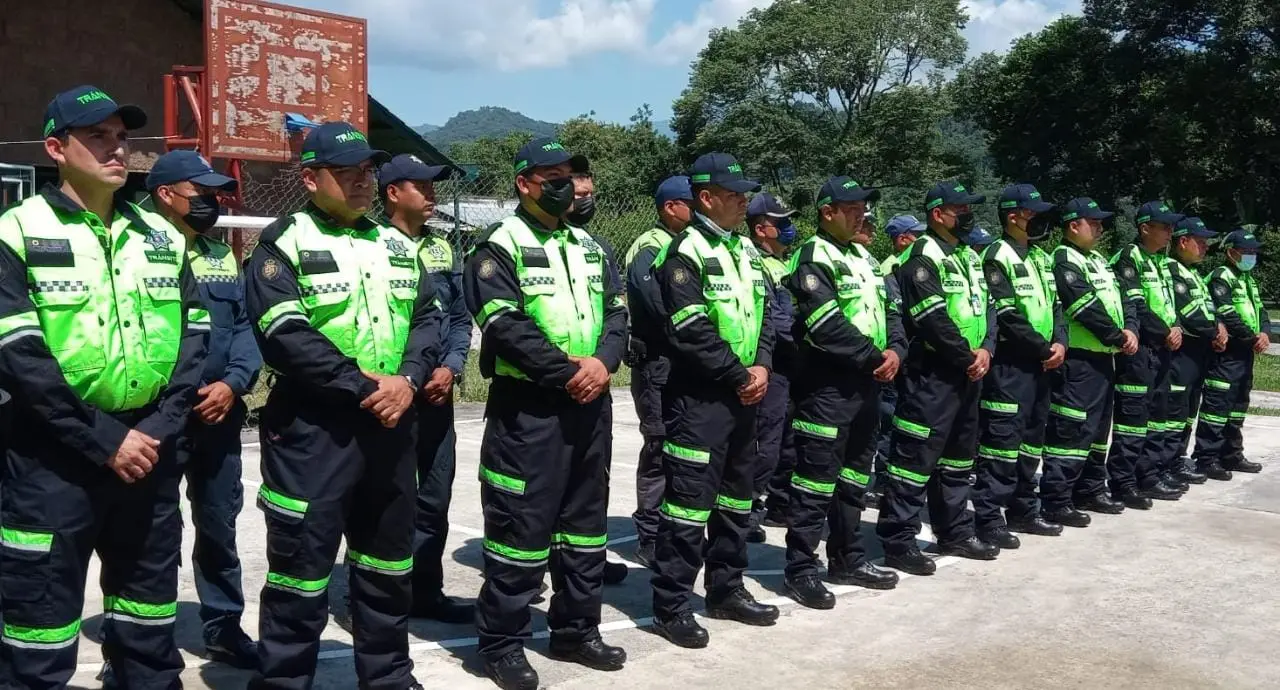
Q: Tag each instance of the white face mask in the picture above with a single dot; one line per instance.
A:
(1247, 262)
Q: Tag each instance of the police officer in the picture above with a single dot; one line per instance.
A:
(772, 232)
(554, 329)
(1142, 379)
(1229, 378)
(1100, 322)
(348, 318)
(853, 341)
(902, 231)
(184, 188)
(1202, 335)
(102, 345)
(407, 187)
(715, 300)
(1032, 342)
(647, 356)
(952, 326)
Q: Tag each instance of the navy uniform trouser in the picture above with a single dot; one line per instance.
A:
(330, 471)
(1228, 381)
(544, 468)
(775, 440)
(1186, 385)
(1075, 441)
(1013, 415)
(57, 511)
(648, 377)
(709, 457)
(884, 443)
(1163, 430)
(212, 465)
(936, 438)
(835, 433)
(1139, 400)
(436, 468)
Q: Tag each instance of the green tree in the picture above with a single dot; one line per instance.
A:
(493, 158)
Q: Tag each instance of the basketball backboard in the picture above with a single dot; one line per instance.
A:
(265, 60)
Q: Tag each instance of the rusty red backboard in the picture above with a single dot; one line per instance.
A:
(264, 60)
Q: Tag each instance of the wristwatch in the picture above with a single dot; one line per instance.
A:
(412, 385)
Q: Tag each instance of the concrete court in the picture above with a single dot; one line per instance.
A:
(1183, 596)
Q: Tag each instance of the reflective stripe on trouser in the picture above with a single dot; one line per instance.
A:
(213, 467)
(774, 436)
(560, 452)
(1133, 406)
(57, 510)
(647, 380)
(1081, 392)
(707, 507)
(1161, 447)
(437, 466)
(326, 474)
(936, 430)
(1227, 384)
(1186, 380)
(1012, 417)
(835, 431)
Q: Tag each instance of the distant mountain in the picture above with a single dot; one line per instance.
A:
(488, 121)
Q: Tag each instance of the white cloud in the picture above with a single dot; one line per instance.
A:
(683, 40)
(994, 24)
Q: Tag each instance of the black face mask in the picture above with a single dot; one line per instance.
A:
(584, 208)
(204, 212)
(557, 196)
(964, 224)
(1039, 226)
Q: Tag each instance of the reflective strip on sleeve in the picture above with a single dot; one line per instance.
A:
(852, 476)
(492, 310)
(524, 558)
(1128, 389)
(688, 516)
(121, 609)
(911, 428)
(1068, 412)
(679, 452)
(25, 637)
(927, 304)
(819, 313)
(17, 326)
(996, 406)
(1217, 384)
(741, 506)
(280, 503)
(908, 476)
(585, 543)
(812, 429)
(298, 586)
(997, 454)
(21, 540)
(813, 487)
(378, 565)
(1126, 430)
(502, 482)
(277, 315)
(682, 318)
(1081, 304)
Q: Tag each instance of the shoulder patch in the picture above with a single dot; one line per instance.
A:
(270, 269)
(994, 277)
(1220, 290)
(1070, 276)
(1127, 271)
(810, 282)
(922, 274)
(679, 276)
(1180, 287)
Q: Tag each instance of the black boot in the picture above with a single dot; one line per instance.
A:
(1099, 503)
(615, 573)
(911, 561)
(1242, 465)
(1161, 491)
(1185, 474)
(1215, 471)
(1037, 526)
(1168, 478)
(646, 554)
(232, 647)
(1001, 537)
(512, 672)
(1132, 499)
(808, 591)
(682, 631)
(972, 547)
(443, 609)
(591, 652)
(740, 606)
(865, 575)
(1069, 517)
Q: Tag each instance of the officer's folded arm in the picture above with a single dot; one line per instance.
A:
(289, 343)
(1193, 320)
(244, 361)
(690, 332)
(493, 297)
(1082, 304)
(1154, 331)
(926, 308)
(422, 348)
(457, 338)
(1012, 324)
(29, 372)
(173, 405)
(826, 326)
(893, 318)
(1237, 329)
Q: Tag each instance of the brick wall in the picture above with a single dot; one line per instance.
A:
(122, 46)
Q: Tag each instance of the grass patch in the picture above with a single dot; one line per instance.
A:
(1266, 373)
(1264, 412)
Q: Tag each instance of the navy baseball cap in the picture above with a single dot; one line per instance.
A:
(407, 166)
(765, 204)
(338, 144)
(721, 170)
(842, 188)
(1241, 239)
(85, 106)
(185, 165)
(674, 188)
(901, 225)
(979, 237)
(1194, 227)
(1157, 212)
(950, 193)
(1083, 207)
(1022, 196)
(545, 152)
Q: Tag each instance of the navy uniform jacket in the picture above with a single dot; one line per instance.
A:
(441, 262)
(233, 353)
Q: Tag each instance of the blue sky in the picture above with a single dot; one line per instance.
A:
(553, 59)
